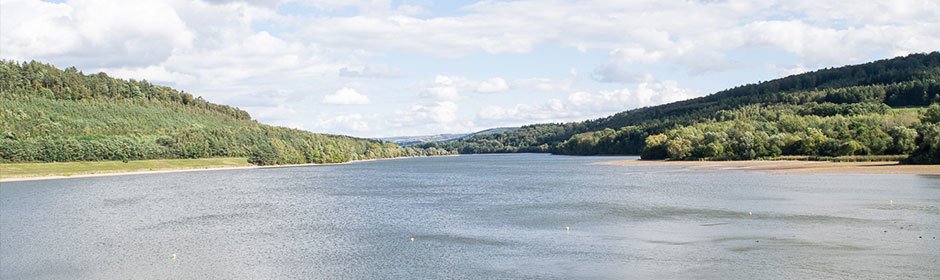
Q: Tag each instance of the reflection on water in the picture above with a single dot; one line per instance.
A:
(488, 216)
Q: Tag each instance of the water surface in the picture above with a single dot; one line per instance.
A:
(471, 217)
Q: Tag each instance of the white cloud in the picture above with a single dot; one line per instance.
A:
(93, 32)
(695, 34)
(443, 88)
(493, 85)
(542, 84)
(584, 104)
(448, 88)
(263, 3)
(802, 39)
(355, 122)
(145, 32)
(493, 112)
(552, 110)
(645, 94)
(206, 49)
(377, 71)
(637, 55)
(787, 70)
(828, 45)
(280, 114)
(36, 28)
(411, 10)
(256, 99)
(346, 96)
(436, 117)
(438, 112)
(616, 71)
(152, 73)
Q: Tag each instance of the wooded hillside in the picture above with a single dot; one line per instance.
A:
(875, 108)
(49, 114)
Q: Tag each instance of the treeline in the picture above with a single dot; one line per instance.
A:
(773, 132)
(48, 114)
(526, 139)
(757, 131)
(838, 103)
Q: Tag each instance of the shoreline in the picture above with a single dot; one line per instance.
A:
(178, 170)
(787, 166)
(764, 166)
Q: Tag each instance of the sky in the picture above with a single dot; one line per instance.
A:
(393, 68)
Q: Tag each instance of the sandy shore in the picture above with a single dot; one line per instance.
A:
(119, 173)
(789, 167)
(174, 170)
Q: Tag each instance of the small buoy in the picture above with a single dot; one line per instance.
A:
(750, 213)
(172, 257)
(567, 228)
(412, 239)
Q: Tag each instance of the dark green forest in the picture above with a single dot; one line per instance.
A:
(54, 115)
(876, 108)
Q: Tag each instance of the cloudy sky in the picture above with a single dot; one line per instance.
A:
(384, 68)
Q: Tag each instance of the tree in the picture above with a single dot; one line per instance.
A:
(655, 147)
(903, 140)
(679, 149)
(928, 142)
(932, 115)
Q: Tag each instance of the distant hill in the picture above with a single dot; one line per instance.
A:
(415, 140)
(490, 131)
(50, 114)
(850, 110)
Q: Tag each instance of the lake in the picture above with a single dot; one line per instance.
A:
(472, 217)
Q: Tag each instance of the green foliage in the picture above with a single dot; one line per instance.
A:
(932, 115)
(903, 140)
(655, 147)
(786, 134)
(627, 140)
(47, 114)
(928, 142)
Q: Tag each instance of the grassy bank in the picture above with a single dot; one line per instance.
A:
(45, 169)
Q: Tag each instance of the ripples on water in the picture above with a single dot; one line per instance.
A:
(472, 217)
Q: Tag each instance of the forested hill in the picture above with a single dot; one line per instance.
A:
(866, 109)
(49, 114)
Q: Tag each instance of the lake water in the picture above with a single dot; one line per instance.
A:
(471, 217)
